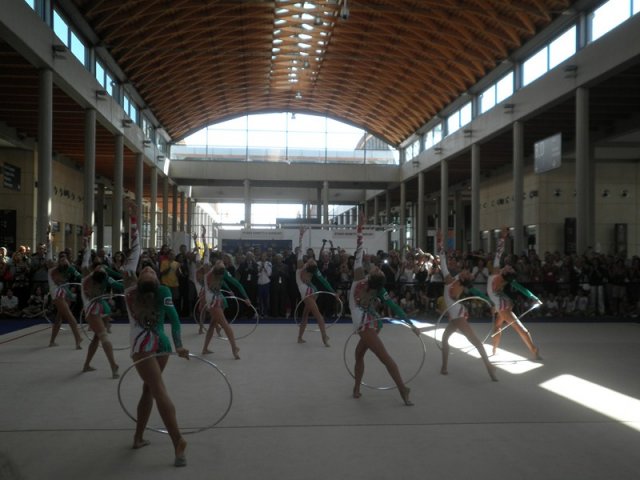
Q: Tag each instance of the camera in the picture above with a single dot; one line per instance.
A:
(344, 11)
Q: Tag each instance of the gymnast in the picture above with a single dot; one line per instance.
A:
(60, 274)
(217, 279)
(454, 289)
(148, 304)
(365, 295)
(503, 305)
(97, 279)
(306, 272)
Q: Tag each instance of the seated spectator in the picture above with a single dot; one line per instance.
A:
(9, 305)
(551, 306)
(35, 304)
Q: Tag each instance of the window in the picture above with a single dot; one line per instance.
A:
(459, 119)
(130, 108)
(534, 67)
(433, 136)
(610, 15)
(412, 150)
(31, 3)
(69, 37)
(504, 87)
(488, 99)
(562, 47)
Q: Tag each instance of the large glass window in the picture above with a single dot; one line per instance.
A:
(534, 67)
(31, 3)
(459, 119)
(289, 137)
(504, 87)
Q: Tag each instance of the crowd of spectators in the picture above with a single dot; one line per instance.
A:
(569, 285)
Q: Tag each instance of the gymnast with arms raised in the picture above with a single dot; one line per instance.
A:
(306, 272)
(217, 279)
(503, 305)
(148, 304)
(96, 281)
(365, 295)
(454, 288)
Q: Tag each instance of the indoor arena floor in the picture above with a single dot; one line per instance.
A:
(573, 415)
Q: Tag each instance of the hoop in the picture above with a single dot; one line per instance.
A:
(391, 321)
(198, 317)
(204, 311)
(535, 305)
(48, 303)
(186, 431)
(438, 327)
(319, 292)
(84, 325)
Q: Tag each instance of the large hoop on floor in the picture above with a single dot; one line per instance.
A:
(84, 325)
(389, 321)
(184, 431)
(49, 307)
(252, 329)
(327, 323)
(439, 329)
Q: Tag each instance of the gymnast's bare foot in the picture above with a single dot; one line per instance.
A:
(301, 340)
(181, 459)
(140, 442)
(88, 368)
(236, 353)
(444, 371)
(205, 351)
(325, 340)
(492, 372)
(405, 396)
(356, 393)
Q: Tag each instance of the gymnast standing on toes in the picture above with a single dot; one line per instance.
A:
(148, 304)
(95, 283)
(503, 304)
(306, 272)
(60, 275)
(367, 291)
(454, 288)
(216, 280)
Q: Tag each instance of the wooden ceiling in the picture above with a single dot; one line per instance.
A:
(388, 66)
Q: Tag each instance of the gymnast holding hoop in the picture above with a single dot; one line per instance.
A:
(97, 280)
(454, 288)
(60, 275)
(365, 293)
(306, 271)
(148, 304)
(217, 279)
(503, 305)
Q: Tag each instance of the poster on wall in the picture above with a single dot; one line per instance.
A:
(11, 177)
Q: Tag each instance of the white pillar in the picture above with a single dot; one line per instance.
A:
(45, 152)
(117, 196)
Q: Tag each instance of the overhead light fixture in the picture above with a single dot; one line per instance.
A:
(298, 96)
(468, 132)
(101, 94)
(126, 122)
(437, 150)
(293, 116)
(415, 163)
(160, 158)
(570, 71)
(146, 143)
(508, 107)
(59, 50)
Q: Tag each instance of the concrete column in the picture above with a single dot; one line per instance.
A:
(174, 204)
(443, 220)
(420, 230)
(387, 207)
(376, 210)
(584, 174)
(45, 153)
(165, 210)
(99, 220)
(475, 197)
(325, 201)
(117, 196)
(247, 203)
(458, 219)
(518, 187)
(403, 217)
(139, 191)
(190, 205)
(153, 208)
(89, 204)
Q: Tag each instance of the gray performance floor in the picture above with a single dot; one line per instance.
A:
(574, 415)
